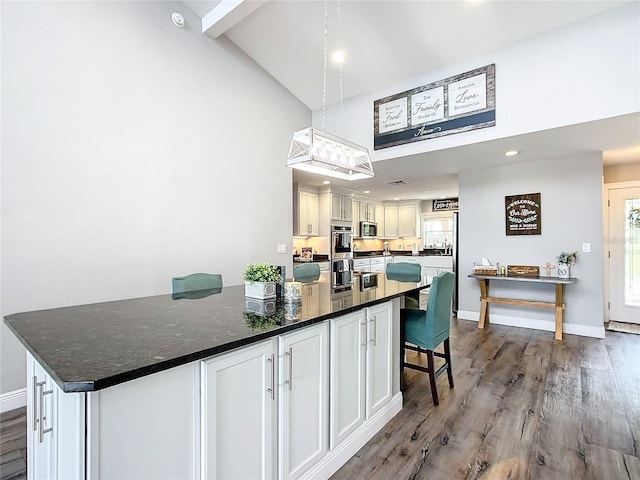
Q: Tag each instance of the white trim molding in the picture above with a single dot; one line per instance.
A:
(535, 324)
(12, 400)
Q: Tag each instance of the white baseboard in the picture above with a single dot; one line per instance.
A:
(341, 454)
(12, 400)
(547, 325)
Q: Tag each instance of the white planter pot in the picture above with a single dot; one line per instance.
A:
(564, 270)
(260, 290)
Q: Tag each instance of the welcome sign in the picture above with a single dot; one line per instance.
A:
(453, 105)
(523, 215)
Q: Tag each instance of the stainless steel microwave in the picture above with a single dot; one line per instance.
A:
(368, 229)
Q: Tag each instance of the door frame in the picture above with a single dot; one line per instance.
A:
(607, 187)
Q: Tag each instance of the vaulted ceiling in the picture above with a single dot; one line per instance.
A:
(388, 42)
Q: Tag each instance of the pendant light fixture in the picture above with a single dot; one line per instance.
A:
(317, 151)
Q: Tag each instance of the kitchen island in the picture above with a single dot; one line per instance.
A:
(171, 387)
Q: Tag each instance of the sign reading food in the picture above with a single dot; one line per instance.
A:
(522, 214)
(393, 115)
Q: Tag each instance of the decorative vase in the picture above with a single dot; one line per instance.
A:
(260, 289)
(564, 270)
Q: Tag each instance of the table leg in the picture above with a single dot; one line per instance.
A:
(559, 310)
(484, 306)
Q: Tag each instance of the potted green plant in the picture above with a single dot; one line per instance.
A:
(260, 280)
(565, 260)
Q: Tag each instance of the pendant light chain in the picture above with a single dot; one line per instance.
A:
(341, 82)
(324, 76)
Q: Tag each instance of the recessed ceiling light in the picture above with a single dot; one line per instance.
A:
(367, 191)
(511, 153)
(326, 182)
(338, 56)
(396, 198)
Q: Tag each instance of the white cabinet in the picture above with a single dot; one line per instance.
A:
(304, 422)
(432, 265)
(361, 368)
(362, 265)
(379, 356)
(264, 408)
(348, 353)
(306, 214)
(379, 216)
(55, 427)
(390, 221)
(377, 264)
(367, 212)
(408, 220)
(239, 411)
(341, 207)
(401, 220)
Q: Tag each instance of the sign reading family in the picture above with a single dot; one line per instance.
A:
(522, 214)
(453, 105)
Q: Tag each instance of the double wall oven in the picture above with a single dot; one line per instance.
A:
(341, 256)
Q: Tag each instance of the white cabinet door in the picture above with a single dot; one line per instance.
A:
(340, 207)
(356, 217)
(379, 356)
(304, 383)
(379, 217)
(347, 402)
(307, 214)
(390, 221)
(407, 220)
(239, 407)
(55, 428)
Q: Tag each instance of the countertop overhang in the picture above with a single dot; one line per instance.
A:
(90, 347)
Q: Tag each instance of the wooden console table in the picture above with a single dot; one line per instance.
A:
(485, 299)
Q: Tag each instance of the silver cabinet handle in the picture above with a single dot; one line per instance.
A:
(272, 390)
(34, 412)
(41, 429)
(364, 336)
(374, 338)
(290, 354)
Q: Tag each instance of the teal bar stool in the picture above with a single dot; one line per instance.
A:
(406, 272)
(196, 282)
(306, 271)
(426, 330)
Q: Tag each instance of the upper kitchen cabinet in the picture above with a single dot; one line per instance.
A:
(340, 207)
(408, 220)
(305, 212)
(367, 212)
(390, 221)
(401, 220)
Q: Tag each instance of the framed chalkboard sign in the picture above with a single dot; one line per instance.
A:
(522, 214)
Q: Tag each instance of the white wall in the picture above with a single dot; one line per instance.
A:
(132, 151)
(586, 71)
(571, 202)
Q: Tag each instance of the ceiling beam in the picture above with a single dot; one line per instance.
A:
(226, 14)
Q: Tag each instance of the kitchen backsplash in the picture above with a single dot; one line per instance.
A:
(321, 244)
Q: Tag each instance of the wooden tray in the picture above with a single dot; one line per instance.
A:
(488, 271)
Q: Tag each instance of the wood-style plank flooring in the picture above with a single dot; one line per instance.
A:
(13, 444)
(524, 407)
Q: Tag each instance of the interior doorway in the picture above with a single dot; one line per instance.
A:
(624, 252)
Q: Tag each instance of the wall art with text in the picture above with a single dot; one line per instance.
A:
(453, 105)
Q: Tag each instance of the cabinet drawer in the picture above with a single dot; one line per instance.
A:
(377, 261)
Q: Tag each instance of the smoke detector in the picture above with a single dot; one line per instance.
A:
(178, 19)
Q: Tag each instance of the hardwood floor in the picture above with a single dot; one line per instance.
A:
(13, 444)
(524, 407)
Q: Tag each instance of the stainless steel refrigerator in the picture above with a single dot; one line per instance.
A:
(455, 250)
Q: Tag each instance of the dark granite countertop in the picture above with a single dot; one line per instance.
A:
(91, 347)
